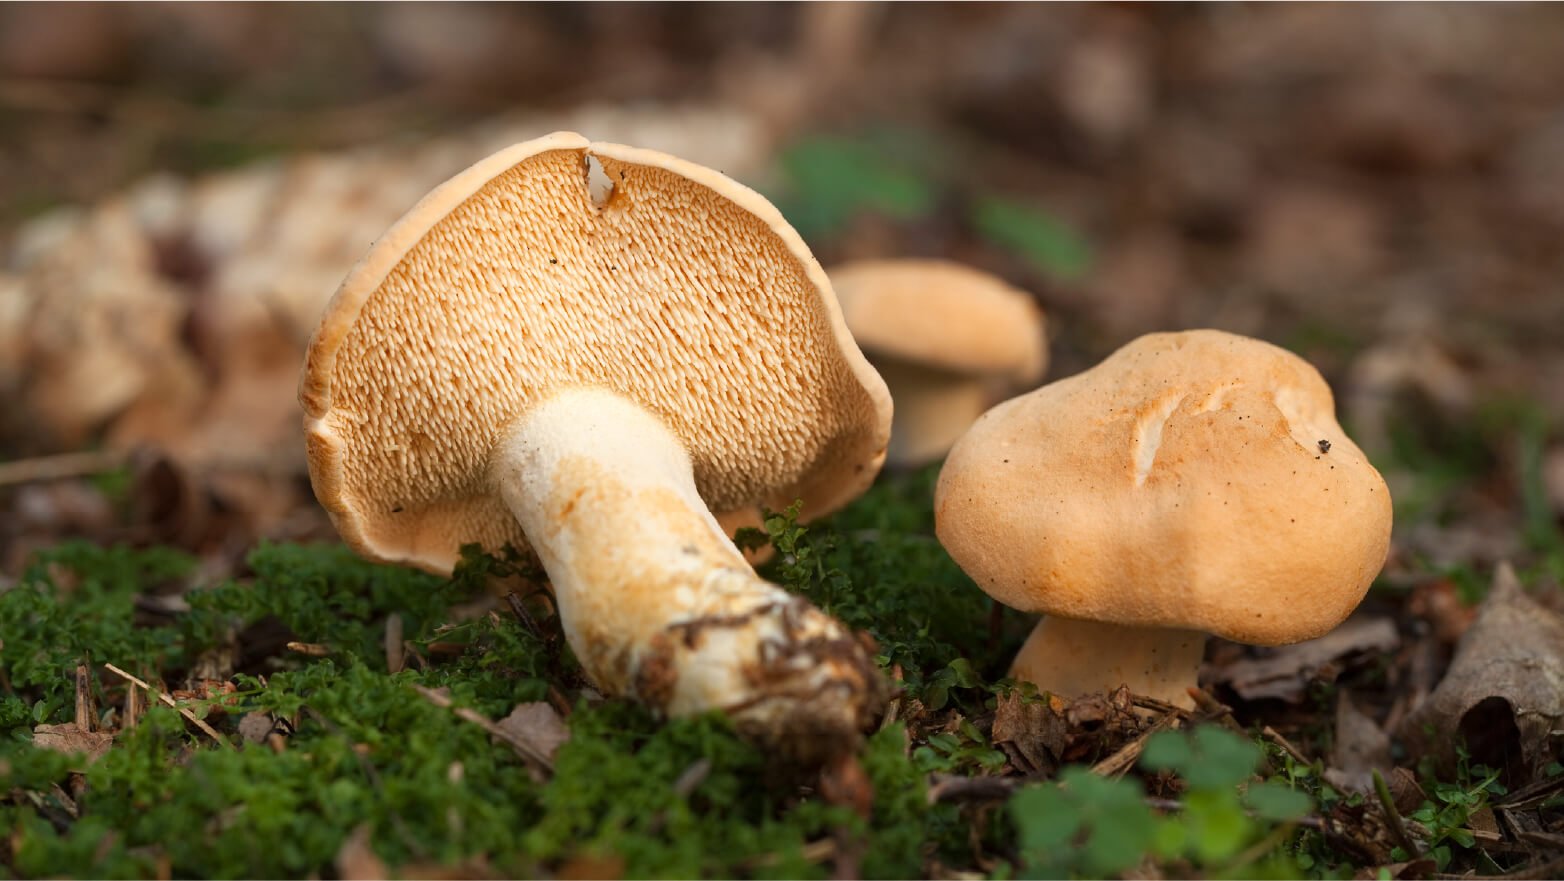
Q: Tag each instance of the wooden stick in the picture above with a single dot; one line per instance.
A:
(1275, 737)
(1398, 827)
(199, 723)
(1120, 762)
(396, 654)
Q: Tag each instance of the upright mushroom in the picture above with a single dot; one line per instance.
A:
(517, 362)
(1192, 483)
(949, 339)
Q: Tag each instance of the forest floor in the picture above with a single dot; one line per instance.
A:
(196, 680)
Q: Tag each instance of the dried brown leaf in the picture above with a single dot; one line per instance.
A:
(356, 859)
(1032, 733)
(69, 738)
(255, 726)
(1285, 674)
(1359, 749)
(1504, 693)
(538, 725)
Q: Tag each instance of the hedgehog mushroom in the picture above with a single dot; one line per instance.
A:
(949, 339)
(1192, 483)
(518, 362)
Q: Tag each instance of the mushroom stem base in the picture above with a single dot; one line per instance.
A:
(656, 601)
(1070, 658)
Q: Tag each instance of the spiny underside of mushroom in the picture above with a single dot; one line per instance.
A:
(666, 293)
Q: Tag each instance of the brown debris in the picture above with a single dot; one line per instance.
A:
(1285, 673)
(1039, 735)
(538, 724)
(1504, 693)
(1359, 748)
(72, 738)
(357, 860)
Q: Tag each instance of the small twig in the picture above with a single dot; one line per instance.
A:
(522, 615)
(1117, 764)
(196, 720)
(954, 787)
(692, 777)
(556, 699)
(1222, 714)
(396, 655)
(60, 466)
(86, 715)
(133, 708)
(1275, 737)
(527, 751)
(312, 649)
(1398, 827)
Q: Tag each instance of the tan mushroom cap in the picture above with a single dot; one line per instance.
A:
(943, 314)
(1179, 484)
(685, 292)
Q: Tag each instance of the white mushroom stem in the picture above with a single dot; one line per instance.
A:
(934, 408)
(655, 600)
(1070, 658)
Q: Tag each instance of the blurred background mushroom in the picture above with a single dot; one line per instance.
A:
(949, 340)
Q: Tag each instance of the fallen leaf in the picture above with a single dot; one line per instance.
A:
(1359, 748)
(356, 859)
(1503, 695)
(69, 738)
(537, 724)
(1285, 674)
(255, 726)
(1032, 733)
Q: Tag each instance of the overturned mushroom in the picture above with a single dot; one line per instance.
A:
(1192, 483)
(950, 340)
(518, 362)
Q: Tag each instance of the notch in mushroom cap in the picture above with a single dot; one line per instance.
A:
(946, 337)
(515, 362)
(1192, 483)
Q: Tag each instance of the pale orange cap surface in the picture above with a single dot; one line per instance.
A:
(1185, 482)
(943, 314)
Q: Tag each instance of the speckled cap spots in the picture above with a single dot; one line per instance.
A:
(1182, 483)
(685, 292)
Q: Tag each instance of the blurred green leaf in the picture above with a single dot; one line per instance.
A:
(1273, 801)
(831, 180)
(1052, 246)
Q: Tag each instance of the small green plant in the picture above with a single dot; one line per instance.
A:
(1092, 826)
(1448, 810)
(964, 750)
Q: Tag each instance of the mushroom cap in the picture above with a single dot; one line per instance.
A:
(943, 314)
(685, 292)
(1181, 483)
